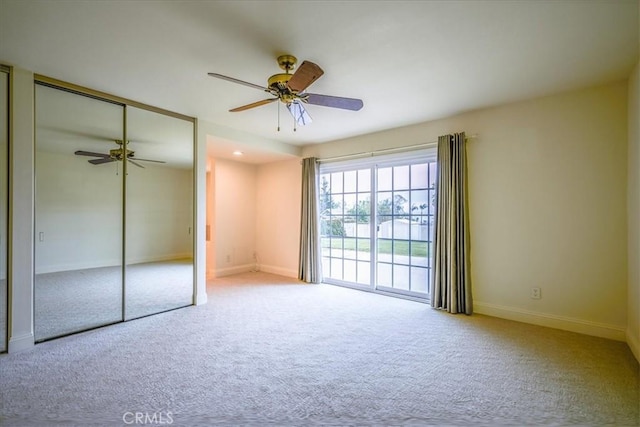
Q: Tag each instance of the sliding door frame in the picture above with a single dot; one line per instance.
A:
(373, 164)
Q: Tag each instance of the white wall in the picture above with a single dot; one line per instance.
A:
(278, 217)
(211, 219)
(21, 214)
(547, 197)
(79, 214)
(633, 213)
(235, 216)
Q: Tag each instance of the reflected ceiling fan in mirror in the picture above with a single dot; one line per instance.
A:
(290, 90)
(114, 155)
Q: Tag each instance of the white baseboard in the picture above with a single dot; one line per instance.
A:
(160, 258)
(201, 298)
(286, 272)
(551, 321)
(21, 343)
(634, 344)
(221, 272)
(76, 266)
(108, 263)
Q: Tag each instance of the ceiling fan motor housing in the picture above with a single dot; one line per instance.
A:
(118, 152)
(278, 83)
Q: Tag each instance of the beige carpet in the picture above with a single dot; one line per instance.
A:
(267, 350)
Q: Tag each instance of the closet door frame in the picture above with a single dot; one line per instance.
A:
(6, 226)
(125, 102)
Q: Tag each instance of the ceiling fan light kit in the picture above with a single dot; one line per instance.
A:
(290, 90)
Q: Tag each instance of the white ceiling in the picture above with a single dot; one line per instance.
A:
(409, 62)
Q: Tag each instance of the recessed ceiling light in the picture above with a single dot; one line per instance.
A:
(238, 153)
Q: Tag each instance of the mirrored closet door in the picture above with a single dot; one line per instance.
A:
(159, 213)
(78, 227)
(4, 202)
(114, 212)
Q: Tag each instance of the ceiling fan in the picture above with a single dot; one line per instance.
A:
(115, 155)
(290, 90)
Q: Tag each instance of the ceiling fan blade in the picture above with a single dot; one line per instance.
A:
(136, 164)
(242, 82)
(91, 153)
(299, 113)
(307, 73)
(101, 161)
(334, 101)
(148, 160)
(253, 105)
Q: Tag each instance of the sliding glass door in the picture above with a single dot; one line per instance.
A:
(78, 244)
(345, 207)
(377, 224)
(114, 212)
(4, 203)
(405, 207)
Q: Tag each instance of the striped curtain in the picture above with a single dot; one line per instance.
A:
(451, 278)
(309, 265)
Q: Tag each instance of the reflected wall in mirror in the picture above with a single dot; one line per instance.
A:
(78, 218)
(4, 204)
(159, 213)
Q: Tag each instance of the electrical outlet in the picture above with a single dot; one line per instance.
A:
(535, 293)
(228, 258)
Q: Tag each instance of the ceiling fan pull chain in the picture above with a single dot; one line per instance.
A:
(278, 117)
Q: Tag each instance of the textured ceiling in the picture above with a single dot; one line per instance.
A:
(409, 62)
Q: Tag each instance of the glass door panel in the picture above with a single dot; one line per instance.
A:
(159, 213)
(4, 203)
(345, 217)
(78, 218)
(405, 227)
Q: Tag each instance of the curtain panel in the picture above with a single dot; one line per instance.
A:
(309, 264)
(451, 278)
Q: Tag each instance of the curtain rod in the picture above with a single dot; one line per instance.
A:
(388, 150)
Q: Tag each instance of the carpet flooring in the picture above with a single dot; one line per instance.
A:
(267, 350)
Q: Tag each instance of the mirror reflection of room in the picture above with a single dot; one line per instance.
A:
(159, 207)
(102, 199)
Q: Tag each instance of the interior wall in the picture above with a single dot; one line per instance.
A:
(21, 213)
(633, 214)
(547, 200)
(235, 214)
(278, 217)
(211, 219)
(77, 199)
